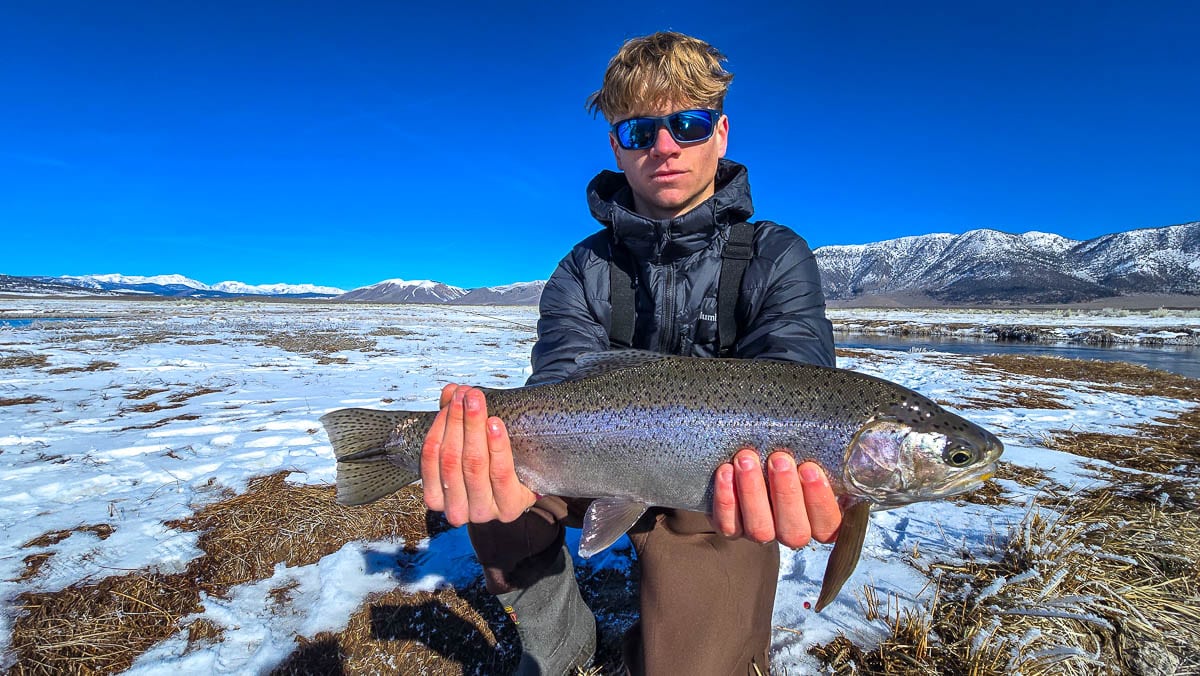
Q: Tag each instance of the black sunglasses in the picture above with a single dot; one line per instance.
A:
(685, 126)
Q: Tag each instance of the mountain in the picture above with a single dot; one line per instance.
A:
(977, 267)
(521, 293)
(171, 286)
(404, 291)
(989, 266)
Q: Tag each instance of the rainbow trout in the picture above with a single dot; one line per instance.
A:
(636, 430)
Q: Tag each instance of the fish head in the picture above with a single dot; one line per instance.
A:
(915, 450)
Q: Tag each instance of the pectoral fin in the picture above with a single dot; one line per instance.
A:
(606, 521)
(846, 551)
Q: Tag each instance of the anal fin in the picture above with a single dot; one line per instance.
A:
(846, 551)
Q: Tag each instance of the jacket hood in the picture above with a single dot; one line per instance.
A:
(662, 240)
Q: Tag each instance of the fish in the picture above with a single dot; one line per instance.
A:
(634, 430)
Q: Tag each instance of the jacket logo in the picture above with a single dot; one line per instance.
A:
(708, 318)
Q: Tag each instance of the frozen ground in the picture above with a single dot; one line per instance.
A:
(132, 419)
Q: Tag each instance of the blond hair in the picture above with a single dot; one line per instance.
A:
(664, 68)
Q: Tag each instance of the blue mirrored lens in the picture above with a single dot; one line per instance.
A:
(686, 126)
(689, 126)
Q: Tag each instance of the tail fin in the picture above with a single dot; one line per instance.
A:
(365, 470)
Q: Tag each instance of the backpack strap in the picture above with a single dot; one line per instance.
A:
(734, 260)
(622, 286)
(621, 275)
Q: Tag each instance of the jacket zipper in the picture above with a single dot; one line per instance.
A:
(665, 339)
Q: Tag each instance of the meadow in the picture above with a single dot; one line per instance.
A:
(166, 499)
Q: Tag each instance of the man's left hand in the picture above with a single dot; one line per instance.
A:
(792, 505)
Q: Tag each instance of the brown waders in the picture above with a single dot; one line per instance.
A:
(706, 600)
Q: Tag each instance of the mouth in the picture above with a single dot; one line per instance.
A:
(666, 174)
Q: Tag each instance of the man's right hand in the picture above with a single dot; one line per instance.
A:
(467, 463)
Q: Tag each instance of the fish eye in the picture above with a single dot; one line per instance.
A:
(957, 456)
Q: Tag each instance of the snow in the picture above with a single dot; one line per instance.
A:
(82, 454)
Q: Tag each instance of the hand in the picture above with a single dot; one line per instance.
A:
(799, 507)
(467, 463)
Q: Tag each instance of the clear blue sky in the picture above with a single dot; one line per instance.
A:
(342, 143)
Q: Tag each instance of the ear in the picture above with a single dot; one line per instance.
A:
(612, 141)
(722, 134)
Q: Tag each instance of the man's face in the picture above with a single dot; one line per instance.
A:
(669, 179)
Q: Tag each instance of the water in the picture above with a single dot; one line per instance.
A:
(13, 323)
(1181, 359)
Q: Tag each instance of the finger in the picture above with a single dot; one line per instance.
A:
(752, 498)
(431, 471)
(476, 460)
(824, 513)
(787, 501)
(511, 496)
(725, 516)
(450, 462)
(447, 395)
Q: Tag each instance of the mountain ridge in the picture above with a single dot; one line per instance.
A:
(981, 266)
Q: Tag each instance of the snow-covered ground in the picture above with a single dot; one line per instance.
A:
(236, 400)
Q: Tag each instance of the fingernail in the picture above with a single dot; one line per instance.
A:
(809, 475)
(746, 462)
(472, 403)
(493, 426)
(780, 464)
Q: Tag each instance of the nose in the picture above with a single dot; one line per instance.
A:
(664, 143)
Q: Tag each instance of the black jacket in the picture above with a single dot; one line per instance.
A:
(780, 310)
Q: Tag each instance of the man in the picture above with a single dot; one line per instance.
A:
(707, 584)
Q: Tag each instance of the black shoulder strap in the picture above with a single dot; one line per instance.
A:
(621, 285)
(734, 259)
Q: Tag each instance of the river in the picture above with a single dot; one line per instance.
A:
(1184, 360)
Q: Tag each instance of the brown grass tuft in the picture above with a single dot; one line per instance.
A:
(1010, 396)
(16, 361)
(319, 344)
(33, 565)
(1170, 446)
(100, 530)
(392, 331)
(145, 393)
(91, 367)
(101, 627)
(1119, 376)
(21, 401)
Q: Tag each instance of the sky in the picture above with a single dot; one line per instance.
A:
(342, 144)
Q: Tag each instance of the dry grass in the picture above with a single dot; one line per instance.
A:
(319, 345)
(1009, 396)
(102, 627)
(24, 360)
(100, 530)
(145, 393)
(1096, 583)
(392, 331)
(20, 401)
(1118, 376)
(91, 367)
(1171, 446)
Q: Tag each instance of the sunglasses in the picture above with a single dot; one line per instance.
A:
(686, 126)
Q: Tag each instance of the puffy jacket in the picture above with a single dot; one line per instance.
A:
(780, 310)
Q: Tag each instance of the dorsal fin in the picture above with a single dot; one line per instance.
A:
(599, 363)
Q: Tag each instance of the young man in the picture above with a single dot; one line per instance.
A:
(707, 584)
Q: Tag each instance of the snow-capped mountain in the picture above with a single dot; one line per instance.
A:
(982, 266)
(979, 266)
(174, 286)
(521, 293)
(404, 291)
(242, 289)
